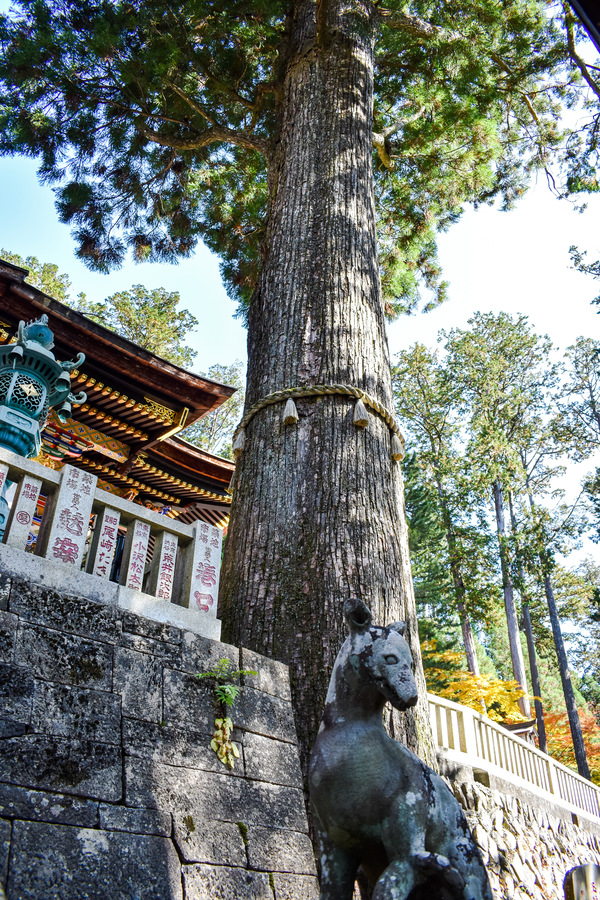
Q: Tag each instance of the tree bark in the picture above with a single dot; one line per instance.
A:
(526, 626)
(561, 656)
(535, 680)
(318, 510)
(563, 665)
(512, 621)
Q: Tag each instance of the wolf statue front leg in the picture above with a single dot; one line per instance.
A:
(378, 805)
(338, 869)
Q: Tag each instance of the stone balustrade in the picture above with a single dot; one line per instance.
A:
(169, 571)
(471, 739)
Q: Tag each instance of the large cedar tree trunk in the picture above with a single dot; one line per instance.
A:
(318, 513)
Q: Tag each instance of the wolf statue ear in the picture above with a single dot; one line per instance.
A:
(400, 627)
(357, 615)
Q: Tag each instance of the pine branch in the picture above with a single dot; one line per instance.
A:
(381, 139)
(569, 22)
(417, 27)
(204, 138)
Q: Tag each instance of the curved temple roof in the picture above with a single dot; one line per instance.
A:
(136, 403)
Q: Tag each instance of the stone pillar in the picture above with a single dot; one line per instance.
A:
(134, 555)
(4, 511)
(160, 582)
(104, 542)
(22, 512)
(65, 527)
(200, 588)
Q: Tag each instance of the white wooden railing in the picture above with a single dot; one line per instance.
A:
(163, 558)
(470, 738)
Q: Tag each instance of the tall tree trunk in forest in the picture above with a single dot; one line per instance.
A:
(318, 511)
(561, 655)
(512, 621)
(526, 624)
(457, 579)
(563, 665)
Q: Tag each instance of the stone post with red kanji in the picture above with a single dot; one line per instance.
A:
(135, 552)
(200, 584)
(104, 543)
(162, 573)
(65, 527)
(22, 512)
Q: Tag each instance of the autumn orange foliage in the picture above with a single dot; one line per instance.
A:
(560, 744)
(484, 693)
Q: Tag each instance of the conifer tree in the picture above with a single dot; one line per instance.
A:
(427, 400)
(272, 130)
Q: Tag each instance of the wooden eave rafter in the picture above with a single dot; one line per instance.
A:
(187, 491)
(187, 457)
(143, 373)
(165, 398)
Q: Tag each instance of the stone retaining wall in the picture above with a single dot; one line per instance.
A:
(108, 786)
(527, 848)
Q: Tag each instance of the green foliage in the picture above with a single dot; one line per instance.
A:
(214, 431)
(578, 258)
(226, 691)
(224, 677)
(157, 123)
(149, 318)
(451, 544)
(446, 676)
(44, 276)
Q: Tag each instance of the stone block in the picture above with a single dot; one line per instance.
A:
(70, 711)
(295, 887)
(8, 635)
(29, 570)
(209, 795)
(209, 841)
(10, 728)
(204, 882)
(135, 821)
(198, 654)
(170, 613)
(265, 714)
(22, 803)
(169, 654)
(157, 631)
(83, 768)
(174, 746)
(58, 862)
(272, 678)
(16, 694)
(73, 614)
(5, 586)
(269, 760)
(188, 699)
(138, 679)
(276, 850)
(65, 658)
(5, 835)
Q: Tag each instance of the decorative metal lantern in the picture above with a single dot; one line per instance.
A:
(32, 382)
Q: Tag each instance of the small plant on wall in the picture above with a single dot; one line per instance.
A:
(226, 690)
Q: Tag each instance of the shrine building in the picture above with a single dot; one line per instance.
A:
(127, 432)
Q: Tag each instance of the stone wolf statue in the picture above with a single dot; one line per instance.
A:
(378, 807)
